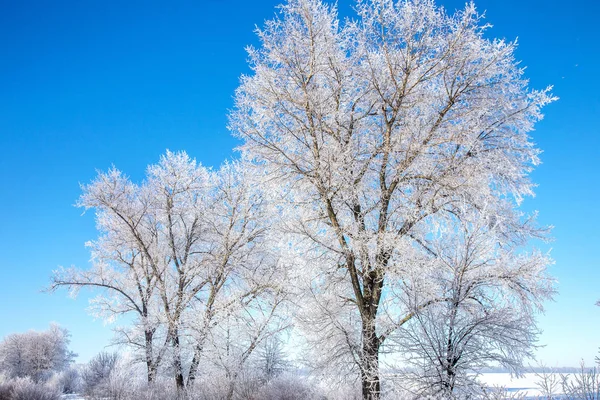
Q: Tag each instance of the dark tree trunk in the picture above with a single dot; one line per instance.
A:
(371, 385)
(151, 367)
(151, 371)
(195, 364)
(179, 380)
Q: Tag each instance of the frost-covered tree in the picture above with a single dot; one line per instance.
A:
(492, 290)
(124, 263)
(36, 355)
(272, 359)
(245, 286)
(235, 342)
(371, 130)
(180, 250)
(129, 287)
(96, 374)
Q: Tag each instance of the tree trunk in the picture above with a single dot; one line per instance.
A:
(179, 381)
(151, 367)
(151, 371)
(195, 364)
(371, 385)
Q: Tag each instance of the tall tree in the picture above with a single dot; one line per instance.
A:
(245, 288)
(374, 129)
(128, 285)
(179, 250)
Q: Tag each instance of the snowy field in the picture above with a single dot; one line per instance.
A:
(526, 385)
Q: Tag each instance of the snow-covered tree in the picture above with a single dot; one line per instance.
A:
(492, 290)
(240, 307)
(36, 355)
(96, 374)
(182, 250)
(124, 263)
(371, 131)
(272, 360)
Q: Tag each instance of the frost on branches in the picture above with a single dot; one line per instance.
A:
(185, 252)
(490, 290)
(376, 133)
(36, 355)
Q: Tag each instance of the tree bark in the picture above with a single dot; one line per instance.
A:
(179, 380)
(195, 364)
(371, 385)
(150, 365)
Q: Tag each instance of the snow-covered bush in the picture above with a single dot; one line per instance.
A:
(155, 391)
(585, 384)
(289, 387)
(37, 355)
(26, 389)
(548, 382)
(247, 385)
(67, 381)
(337, 390)
(70, 381)
(96, 374)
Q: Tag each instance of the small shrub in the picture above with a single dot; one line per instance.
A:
(288, 387)
(248, 384)
(157, 391)
(96, 375)
(548, 382)
(68, 381)
(584, 384)
(25, 389)
(212, 387)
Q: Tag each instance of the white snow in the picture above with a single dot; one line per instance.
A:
(525, 385)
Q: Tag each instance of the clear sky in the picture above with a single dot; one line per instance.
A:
(88, 84)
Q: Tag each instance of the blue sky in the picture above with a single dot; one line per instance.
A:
(84, 85)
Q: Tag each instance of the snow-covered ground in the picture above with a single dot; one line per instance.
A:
(526, 385)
